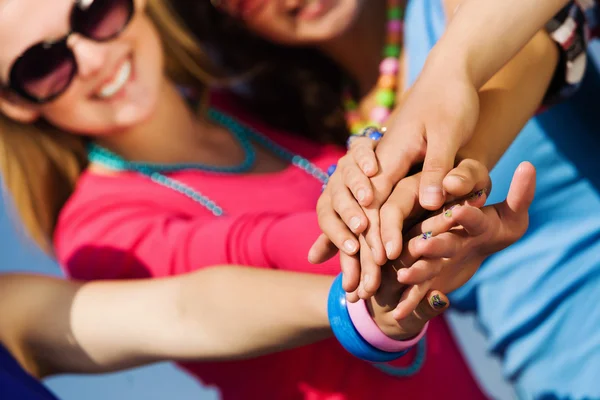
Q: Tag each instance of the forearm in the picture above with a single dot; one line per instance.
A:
(217, 313)
(483, 35)
(510, 99)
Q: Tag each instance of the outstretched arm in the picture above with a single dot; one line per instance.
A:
(53, 325)
(56, 326)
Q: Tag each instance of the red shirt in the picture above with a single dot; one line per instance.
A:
(126, 226)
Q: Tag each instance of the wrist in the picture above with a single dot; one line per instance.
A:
(396, 336)
(346, 332)
(450, 63)
(391, 328)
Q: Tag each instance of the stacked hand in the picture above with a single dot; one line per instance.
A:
(441, 252)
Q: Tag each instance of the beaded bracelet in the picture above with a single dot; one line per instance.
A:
(368, 329)
(346, 333)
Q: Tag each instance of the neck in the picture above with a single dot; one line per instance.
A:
(358, 50)
(171, 133)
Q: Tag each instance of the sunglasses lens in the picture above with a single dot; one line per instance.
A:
(101, 19)
(43, 71)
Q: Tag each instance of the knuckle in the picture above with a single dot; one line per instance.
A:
(345, 210)
(347, 172)
(357, 144)
(323, 214)
(362, 154)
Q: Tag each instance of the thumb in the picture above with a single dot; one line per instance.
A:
(439, 160)
(322, 250)
(521, 192)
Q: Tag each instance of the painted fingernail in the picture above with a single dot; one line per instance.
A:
(437, 302)
(361, 194)
(478, 193)
(432, 195)
(350, 245)
(448, 212)
(389, 248)
(426, 235)
(354, 223)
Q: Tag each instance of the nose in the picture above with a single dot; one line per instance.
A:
(90, 55)
(291, 5)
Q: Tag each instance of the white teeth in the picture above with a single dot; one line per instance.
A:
(121, 77)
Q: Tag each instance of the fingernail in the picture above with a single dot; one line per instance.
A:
(437, 302)
(389, 248)
(456, 177)
(361, 195)
(367, 168)
(354, 223)
(350, 245)
(426, 235)
(448, 212)
(478, 193)
(432, 195)
(402, 274)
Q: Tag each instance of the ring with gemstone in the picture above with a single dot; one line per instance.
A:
(372, 133)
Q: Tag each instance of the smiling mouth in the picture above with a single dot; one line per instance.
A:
(308, 9)
(117, 82)
(245, 8)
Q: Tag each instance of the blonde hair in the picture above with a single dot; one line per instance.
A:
(41, 164)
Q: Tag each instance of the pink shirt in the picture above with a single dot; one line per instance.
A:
(126, 226)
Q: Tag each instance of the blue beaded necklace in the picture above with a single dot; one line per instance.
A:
(243, 134)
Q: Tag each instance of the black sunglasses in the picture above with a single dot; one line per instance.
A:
(45, 70)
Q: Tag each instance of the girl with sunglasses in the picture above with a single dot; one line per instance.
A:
(109, 150)
(302, 60)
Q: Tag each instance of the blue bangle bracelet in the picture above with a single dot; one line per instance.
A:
(344, 330)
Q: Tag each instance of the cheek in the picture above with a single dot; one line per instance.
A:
(71, 115)
(273, 24)
(75, 112)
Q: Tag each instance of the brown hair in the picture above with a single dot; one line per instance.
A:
(297, 89)
(41, 164)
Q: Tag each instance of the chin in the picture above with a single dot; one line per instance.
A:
(327, 29)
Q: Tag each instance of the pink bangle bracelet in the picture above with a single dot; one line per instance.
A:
(368, 329)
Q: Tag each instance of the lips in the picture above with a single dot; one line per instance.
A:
(121, 72)
(119, 81)
(244, 8)
(314, 8)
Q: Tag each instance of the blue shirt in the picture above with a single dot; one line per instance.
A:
(16, 383)
(536, 300)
